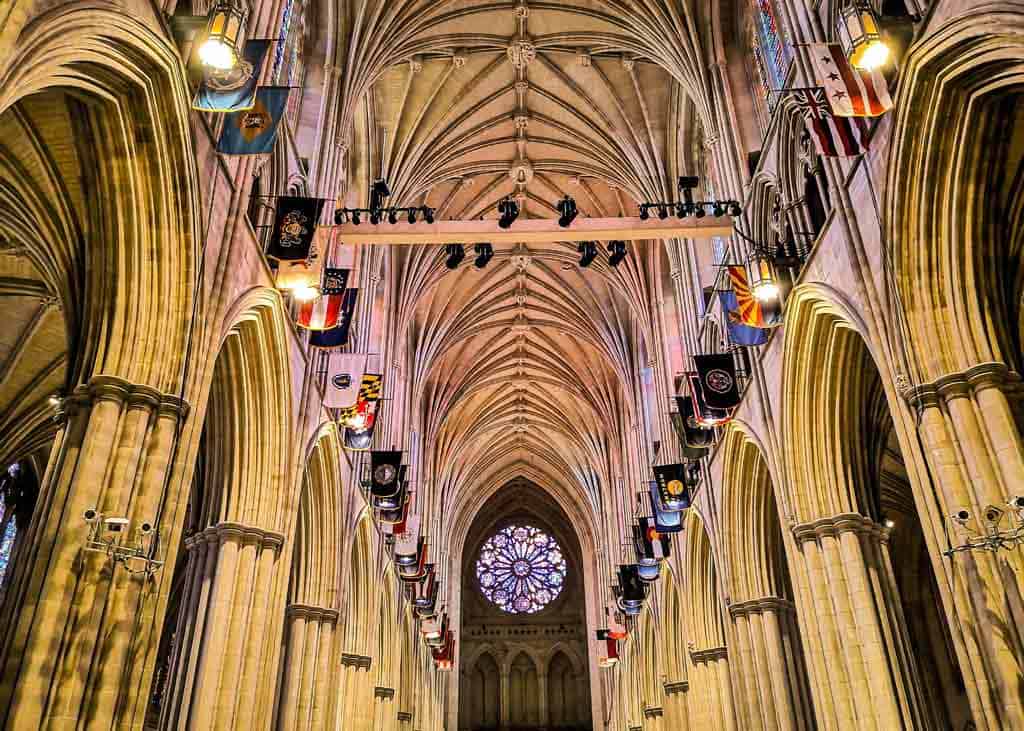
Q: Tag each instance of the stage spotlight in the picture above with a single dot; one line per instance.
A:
(340, 217)
(378, 194)
(718, 210)
(375, 217)
(455, 254)
(412, 215)
(428, 214)
(509, 211)
(734, 209)
(355, 218)
(588, 252)
(392, 216)
(484, 252)
(662, 212)
(567, 211)
(644, 213)
(681, 210)
(699, 211)
(616, 253)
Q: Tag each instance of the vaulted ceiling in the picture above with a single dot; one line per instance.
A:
(526, 367)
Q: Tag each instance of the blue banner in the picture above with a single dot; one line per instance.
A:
(253, 132)
(235, 91)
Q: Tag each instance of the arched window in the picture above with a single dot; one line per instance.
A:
(521, 569)
(289, 61)
(772, 54)
(18, 491)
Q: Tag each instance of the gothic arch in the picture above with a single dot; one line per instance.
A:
(954, 205)
(131, 113)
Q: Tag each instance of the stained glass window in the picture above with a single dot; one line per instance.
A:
(6, 544)
(775, 51)
(521, 569)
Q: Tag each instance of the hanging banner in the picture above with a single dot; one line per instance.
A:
(344, 378)
(671, 481)
(851, 92)
(254, 132)
(717, 372)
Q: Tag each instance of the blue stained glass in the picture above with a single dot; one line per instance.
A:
(774, 50)
(521, 569)
(6, 544)
(282, 39)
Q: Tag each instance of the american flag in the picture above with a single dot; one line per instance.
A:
(324, 312)
(851, 92)
(833, 136)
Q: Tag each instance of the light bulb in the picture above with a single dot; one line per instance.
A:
(767, 291)
(216, 54)
(873, 56)
(306, 294)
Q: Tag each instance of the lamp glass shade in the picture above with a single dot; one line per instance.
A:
(221, 46)
(860, 38)
(763, 284)
(301, 278)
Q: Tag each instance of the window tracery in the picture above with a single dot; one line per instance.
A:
(521, 569)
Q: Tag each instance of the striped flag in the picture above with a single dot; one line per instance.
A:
(851, 92)
(749, 309)
(324, 313)
(833, 136)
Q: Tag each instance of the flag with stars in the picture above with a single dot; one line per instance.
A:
(325, 312)
(851, 92)
(833, 136)
(254, 131)
(744, 310)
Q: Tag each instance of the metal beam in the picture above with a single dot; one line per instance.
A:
(535, 230)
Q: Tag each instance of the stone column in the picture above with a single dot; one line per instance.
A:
(222, 662)
(383, 709)
(356, 713)
(675, 705)
(112, 454)
(307, 678)
(864, 673)
(542, 689)
(712, 706)
(973, 446)
(505, 698)
(768, 669)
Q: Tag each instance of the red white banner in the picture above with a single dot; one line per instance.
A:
(851, 92)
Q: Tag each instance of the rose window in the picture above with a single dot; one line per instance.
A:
(521, 569)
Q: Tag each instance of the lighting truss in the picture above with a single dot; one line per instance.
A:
(1000, 529)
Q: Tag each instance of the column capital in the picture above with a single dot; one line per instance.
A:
(227, 531)
(759, 606)
(404, 716)
(307, 611)
(385, 694)
(359, 662)
(675, 687)
(653, 712)
(711, 654)
(837, 524)
(962, 385)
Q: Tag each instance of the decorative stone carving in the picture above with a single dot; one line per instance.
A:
(521, 53)
(521, 171)
(359, 662)
(583, 58)
(415, 64)
(653, 712)
(681, 686)
(628, 63)
(386, 694)
(712, 654)
(459, 58)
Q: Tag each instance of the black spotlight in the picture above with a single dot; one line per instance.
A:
(734, 209)
(355, 218)
(644, 213)
(662, 212)
(378, 194)
(484, 252)
(699, 211)
(718, 210)
(375, 217)
(681, 210)
(509, 211)
(616, 253)
(428, 214)
(412, 215)
(588, 252)
(392, 216)
(455, 254)
(340, 217)
(567, 212)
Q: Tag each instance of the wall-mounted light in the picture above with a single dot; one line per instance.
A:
(616, 253)
(222, 42)
(761, 274)
(588, 252)
(484, 253)
(509, 211)
(860, 38)
(567, 211)
(454, 254)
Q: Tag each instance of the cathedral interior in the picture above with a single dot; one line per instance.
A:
(511, 365)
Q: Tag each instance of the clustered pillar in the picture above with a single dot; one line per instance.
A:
(710, 697)
(224, 641)
(306, 695)
(767, 666)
